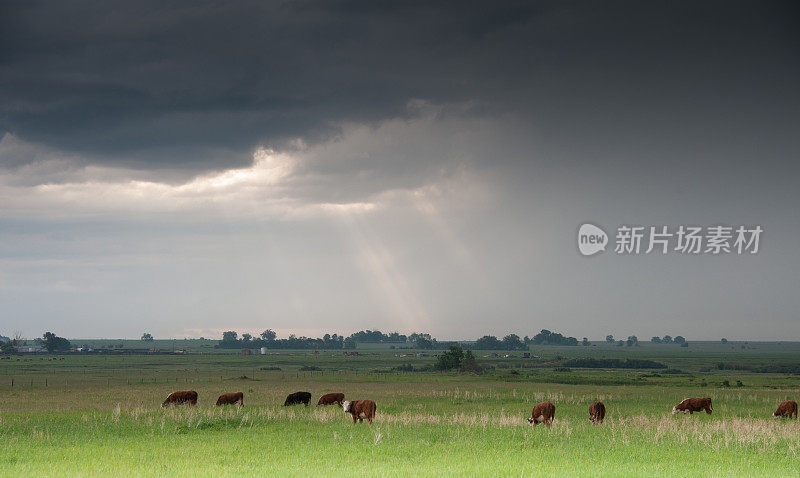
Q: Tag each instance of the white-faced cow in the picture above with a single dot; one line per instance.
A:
(360, 409)
(786, 409)
(231, 399)
(330, 399)
(597, 413)
(177, 398)
(691, 405)
(543, 413)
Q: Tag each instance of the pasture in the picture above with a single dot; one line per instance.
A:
(96, 415)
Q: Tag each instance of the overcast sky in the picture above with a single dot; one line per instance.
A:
(184, 168)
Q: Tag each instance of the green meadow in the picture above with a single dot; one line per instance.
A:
(100, 415)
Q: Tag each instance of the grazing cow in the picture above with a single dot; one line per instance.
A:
(360, 409)
(330, 399)
(597, 413)
(184, 396)
(786, 409)
(543, 413)
(297, 397)
(231, 399)
(691, 405)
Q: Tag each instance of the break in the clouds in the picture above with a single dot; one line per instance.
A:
(310, 166)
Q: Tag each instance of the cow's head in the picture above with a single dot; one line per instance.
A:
(774, 414)
(346, 405)
(532, 421)
(674, 410)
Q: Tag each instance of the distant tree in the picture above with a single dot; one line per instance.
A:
(349, 343)
(54, 343)
(666, 339)
(229, 336)
(376, 336)
(585, 342)
(468, 363)
(620, 343)
(396, 337)
(656, 339)
(268, 335)
(512, 342)
(423, 343)
(679, 340)
(545, 337)
(413, 337)
(147, 337)
(246, 338)
(610, 339)
(6, 347)
(488, 342)
(632, 340)
(450, 359)
(724, 340)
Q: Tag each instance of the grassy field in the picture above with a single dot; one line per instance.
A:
(99, 415)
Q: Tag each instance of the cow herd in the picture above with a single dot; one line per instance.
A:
(543, 412)
(360, 410)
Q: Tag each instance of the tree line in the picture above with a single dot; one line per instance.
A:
(268, 339)
(632, 340)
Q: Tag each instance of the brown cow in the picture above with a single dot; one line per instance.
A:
(691, 405)
(184, 396)
(597, 413)
(231, 399)
(360, 409)
(543, 413)
(786, 409)
(330, 399)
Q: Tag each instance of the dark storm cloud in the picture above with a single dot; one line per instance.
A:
(198, 85)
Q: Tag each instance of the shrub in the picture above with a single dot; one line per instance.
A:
(457, 358)
(450, 359)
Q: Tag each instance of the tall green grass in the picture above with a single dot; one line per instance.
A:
(470, 427)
